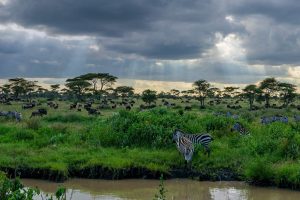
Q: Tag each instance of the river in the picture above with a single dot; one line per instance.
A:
(181, 189)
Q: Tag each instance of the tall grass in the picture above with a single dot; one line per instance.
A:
(66, 143)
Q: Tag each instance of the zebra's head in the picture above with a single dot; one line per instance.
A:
(177, 134)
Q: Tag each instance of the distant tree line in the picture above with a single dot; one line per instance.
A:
(101, 85)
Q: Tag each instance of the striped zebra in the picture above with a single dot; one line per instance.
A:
(203, 139)
(239, 128)
(12, 114)
(184, 145)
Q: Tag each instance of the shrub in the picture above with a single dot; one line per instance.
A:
(288, 175)
(259, 171)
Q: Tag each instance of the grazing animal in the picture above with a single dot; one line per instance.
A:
(230, 115)
(92, 111)
(203, 139)
(18, 116)
(28, 106)
(43, 111)
(128, 107)
(40, 112)
(87, 106)
(12, 114)
(184, 145)
(73, 106)
(297, 118)
(268, 120)
(188, 108)
(239, 128)
(36, 113)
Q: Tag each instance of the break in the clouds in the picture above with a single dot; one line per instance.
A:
(223, 41)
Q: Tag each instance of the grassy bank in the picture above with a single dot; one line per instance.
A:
(138, 144)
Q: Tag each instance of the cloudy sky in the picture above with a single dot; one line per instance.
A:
(171, 42)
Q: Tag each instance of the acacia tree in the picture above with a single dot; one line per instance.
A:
(29, 88)
(77, 86)
(175, 93)
(250, 92)
(17, 86)
(124, 91)
(149, 96)
(41, 91)
(21, 86)
(54, 90)
(214, 92)
(5, 90)
(287, 93)
(103, 80)
(201, 88)
(230, 91)
(269, 87)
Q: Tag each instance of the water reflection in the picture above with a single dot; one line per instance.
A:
(177, 189)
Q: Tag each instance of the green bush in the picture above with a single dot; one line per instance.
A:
(14, 190)
(287, 175)
(259, 171)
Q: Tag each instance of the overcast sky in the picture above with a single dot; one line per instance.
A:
(222, 41)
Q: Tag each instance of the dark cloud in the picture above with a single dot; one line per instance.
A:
(286, 11)
(83, 17)
(149, 39)
(150, 24)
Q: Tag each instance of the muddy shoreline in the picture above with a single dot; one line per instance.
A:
(99, 172)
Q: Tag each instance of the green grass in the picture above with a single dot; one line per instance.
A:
(67, 142)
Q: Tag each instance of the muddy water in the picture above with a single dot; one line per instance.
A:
(181, 189)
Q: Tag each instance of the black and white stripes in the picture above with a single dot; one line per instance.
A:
(202, 139)
(184, 145)
(185, 142)
(239, 128)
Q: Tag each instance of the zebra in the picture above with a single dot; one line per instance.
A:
(297, 118)
(239, 128)
(184, 145)
(18, 116)
(268, 120)
(203, 139)
(12, 114)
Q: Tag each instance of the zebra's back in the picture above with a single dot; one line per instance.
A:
(203, 139)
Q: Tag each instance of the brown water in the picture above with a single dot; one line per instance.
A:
(182, 189)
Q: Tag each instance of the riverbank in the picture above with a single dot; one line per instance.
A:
(139, 145)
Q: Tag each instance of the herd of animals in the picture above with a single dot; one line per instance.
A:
(184, 142)
(128, 104)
